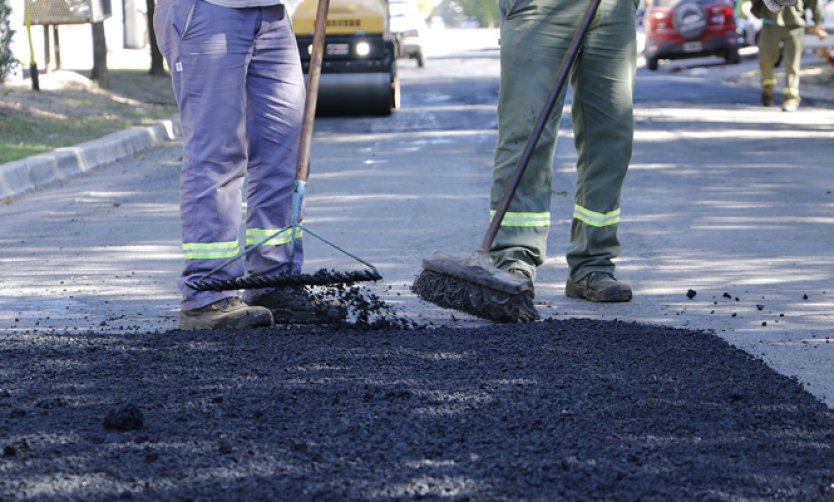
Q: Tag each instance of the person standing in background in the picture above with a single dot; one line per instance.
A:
(785, 28)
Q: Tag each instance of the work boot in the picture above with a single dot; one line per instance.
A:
(790, 105)
(767, 96)
(598, 287)
(229, 312)
(523, 272)
(297, 305)
(520, 272)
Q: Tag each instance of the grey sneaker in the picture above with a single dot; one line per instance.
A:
(790, 105)
(297, 305)
(598, 287)
(229, 312)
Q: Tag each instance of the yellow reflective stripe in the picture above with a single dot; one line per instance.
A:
(256, 235)
(790, 91)
(515, 219)
(210, 250)
(596, 219)
(769, 82)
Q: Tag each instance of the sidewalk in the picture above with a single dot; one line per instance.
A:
(45, 169)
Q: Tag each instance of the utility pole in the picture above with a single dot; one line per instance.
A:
(157, 62)
(100, 74)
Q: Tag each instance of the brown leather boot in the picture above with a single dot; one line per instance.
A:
(229, 312)
(598, 287)
(767, 96)
(790, 105)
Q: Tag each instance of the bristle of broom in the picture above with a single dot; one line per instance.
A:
(320, 278)
(453, 292)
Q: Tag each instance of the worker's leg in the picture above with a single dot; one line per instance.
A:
(769, 39)
(209, 82)
(534, 39)
(794, 41)
(603, 81)
(275, 91)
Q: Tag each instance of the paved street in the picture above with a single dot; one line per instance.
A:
(724, 198)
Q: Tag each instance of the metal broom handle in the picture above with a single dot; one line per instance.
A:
(302, 167)
(544, 116)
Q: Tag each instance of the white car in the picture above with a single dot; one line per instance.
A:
(407, 25)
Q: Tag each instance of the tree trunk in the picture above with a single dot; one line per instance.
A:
(100, 56)
(157, 63)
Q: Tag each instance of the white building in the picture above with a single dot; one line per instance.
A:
(125, 28)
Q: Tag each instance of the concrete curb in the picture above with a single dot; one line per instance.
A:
(42, 170)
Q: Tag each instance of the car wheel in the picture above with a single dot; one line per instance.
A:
(651, 64)
(420, 61)
(690, 20)
(732, 56)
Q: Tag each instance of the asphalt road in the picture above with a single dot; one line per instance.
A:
(724, 198)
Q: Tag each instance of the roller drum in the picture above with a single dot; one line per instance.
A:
(356, 94)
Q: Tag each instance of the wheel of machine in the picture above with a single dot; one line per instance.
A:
(395, 93)
(651, 64)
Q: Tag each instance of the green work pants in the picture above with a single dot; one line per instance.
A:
(535, 35)
(793, 40)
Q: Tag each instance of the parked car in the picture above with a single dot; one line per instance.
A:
(677, 29)
(407, 25)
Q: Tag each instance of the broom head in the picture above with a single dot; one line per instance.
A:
(475, 286)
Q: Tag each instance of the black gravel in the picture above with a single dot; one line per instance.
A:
(555, 410)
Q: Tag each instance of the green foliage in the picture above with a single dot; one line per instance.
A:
(425, 6)
(7, 59)
(454, 12)
(485, 11)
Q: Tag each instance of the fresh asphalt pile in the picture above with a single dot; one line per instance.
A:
(575, 409)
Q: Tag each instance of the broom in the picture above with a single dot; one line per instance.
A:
(473, 284)
(302, 173)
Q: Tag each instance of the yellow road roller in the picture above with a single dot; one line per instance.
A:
(359, 71)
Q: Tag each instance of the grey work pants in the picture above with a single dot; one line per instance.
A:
(535, 35)
(240, 89)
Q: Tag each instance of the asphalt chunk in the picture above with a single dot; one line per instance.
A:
(123, 418)
(572, 410)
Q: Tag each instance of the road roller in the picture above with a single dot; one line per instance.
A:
(359, 71)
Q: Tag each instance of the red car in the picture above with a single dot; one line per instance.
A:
(677, 29)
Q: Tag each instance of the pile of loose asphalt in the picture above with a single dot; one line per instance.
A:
(572, 410)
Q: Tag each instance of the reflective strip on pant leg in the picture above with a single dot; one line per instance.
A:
(596, 219)
(788, 92)
(210, 250)
(769, 82)
(256, 235)
(512, 219)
